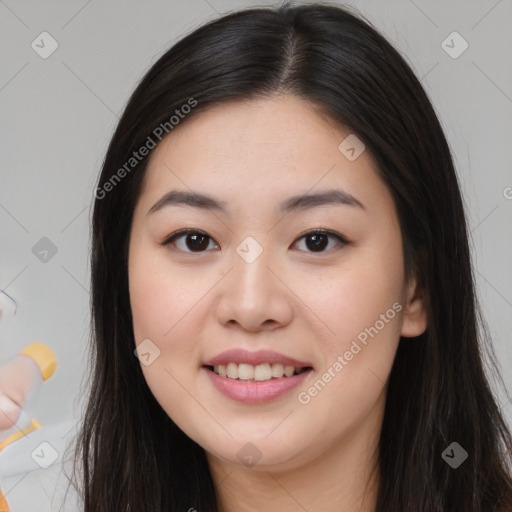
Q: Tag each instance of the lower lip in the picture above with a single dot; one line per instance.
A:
(252, 392)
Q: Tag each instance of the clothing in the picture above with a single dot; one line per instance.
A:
(35, 471)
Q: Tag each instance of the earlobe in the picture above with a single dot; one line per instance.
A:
(414, 320)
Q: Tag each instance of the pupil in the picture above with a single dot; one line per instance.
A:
(319, 241)
(199, 242)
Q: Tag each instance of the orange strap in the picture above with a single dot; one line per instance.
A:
(34, 425)
(3, 503)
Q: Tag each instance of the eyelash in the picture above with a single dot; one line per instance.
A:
(173, 237)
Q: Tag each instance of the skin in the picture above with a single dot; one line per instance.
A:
(16, 381)
(305, 304)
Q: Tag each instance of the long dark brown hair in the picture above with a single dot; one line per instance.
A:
(131, 454)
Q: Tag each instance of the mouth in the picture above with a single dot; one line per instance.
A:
(255, 377)
(251, 390)
(256, 373)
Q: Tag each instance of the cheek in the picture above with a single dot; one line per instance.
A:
(151, 305)
(162, 302)
(360, 309)
(354, 296)
(167, 308)
(161, 295)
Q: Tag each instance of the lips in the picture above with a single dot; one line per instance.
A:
(287, 373)
(255, 358)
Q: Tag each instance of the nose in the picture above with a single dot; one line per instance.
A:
(254, 296)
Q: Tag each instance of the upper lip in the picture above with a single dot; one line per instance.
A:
(255, 358)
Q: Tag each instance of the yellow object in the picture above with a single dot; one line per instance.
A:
(3, 503)
(43, 356)
(34, 425)
(47, 362)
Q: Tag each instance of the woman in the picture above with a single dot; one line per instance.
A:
(279, 238)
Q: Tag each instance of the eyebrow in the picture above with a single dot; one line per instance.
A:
(294, 203)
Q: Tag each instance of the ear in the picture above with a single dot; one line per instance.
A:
(415, 314)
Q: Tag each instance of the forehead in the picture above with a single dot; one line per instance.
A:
(279, 129)
(257, 149)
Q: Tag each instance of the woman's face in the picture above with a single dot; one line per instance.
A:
(254, 278)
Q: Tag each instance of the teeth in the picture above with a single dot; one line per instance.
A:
(261, 372)
(289, 371)
(245, 371)
(277, 370)
(232, 371)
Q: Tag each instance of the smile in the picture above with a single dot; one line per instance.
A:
(260, 373)
(253, 391)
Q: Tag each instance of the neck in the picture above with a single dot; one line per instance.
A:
(344, 478)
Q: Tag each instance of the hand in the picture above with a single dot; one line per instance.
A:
(9, 412)
(16, 381)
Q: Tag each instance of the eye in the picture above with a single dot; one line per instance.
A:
(195, 240)
(199, 241)
(318, 239)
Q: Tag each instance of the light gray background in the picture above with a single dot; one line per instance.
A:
(58, 114)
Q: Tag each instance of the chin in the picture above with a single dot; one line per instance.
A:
(258, 454)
